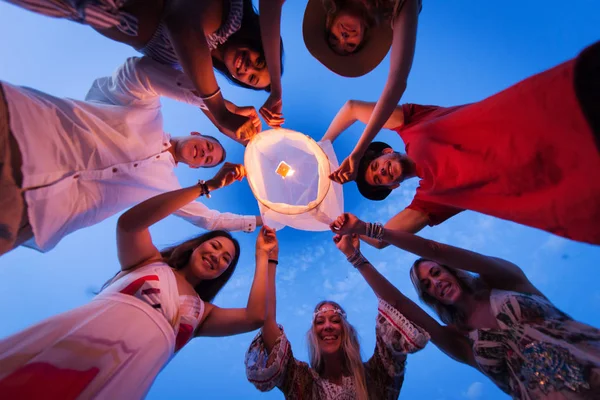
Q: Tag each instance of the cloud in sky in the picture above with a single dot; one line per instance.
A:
(474, 392)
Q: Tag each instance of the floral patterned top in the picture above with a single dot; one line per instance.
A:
(395, 335)
(539, 352)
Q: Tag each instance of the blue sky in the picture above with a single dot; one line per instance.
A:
(466, 51)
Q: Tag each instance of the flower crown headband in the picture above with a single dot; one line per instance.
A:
(325, 309)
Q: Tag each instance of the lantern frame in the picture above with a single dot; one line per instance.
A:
(323, 166)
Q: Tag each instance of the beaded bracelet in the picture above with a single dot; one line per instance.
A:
(375, 230)
(357, 259)
(204, 190)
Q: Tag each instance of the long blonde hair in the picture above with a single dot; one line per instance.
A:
(353, 363)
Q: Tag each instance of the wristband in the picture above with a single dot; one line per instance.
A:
(204, 190)
(374, 230)
(273, 261)
(357, 259)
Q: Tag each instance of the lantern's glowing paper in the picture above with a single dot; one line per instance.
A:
(288, 173)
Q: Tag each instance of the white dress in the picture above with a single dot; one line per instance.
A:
(111, 348)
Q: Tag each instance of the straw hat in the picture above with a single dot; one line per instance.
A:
(359, 63)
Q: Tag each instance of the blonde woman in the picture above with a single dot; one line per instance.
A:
(336, 369)
(496, 320)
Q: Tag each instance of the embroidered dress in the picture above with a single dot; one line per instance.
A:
(539, 352)
(104, 14)
(395, 337)
(111, 348)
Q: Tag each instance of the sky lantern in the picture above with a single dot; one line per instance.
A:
(288, 173)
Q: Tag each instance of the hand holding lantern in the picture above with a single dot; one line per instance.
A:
(347, 224)
(228, 174)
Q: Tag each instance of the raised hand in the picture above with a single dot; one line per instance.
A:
(347, 224)
(267, 242)
(250, 112)
(271, 111)
(347, 171)
(347, 244)
(237, 126)
(228, 174)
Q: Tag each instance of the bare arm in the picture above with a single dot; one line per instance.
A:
(225, 322)
(407, 220)
(497, 273)
(403, 48)
(356, 110)
(188, 21)
(401, 58)
(270, 34)
(455, 345)
(233, 321)
(271, 331)
(134, 243)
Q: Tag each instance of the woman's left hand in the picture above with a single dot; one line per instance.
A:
(271, 111)
(347, 224)
(266, 241)
(347, 244)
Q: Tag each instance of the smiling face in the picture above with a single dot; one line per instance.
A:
(247, 66)
(328, 329)
(440, 284)
(386, 170)
(210, 259)
(198, 151)
(346, 32)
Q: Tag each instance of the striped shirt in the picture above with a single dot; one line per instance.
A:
(105, 14)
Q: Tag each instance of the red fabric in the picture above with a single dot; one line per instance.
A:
(183, 336)
(436, 213)
(45, 381)
(136, 285)
(525, 154)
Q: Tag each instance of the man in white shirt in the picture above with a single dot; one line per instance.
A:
(67, 164)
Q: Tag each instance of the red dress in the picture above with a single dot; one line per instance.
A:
(526, 155)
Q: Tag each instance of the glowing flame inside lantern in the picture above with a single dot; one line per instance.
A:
(284, 169)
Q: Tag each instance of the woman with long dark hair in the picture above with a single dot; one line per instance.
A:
(193, 36)
(496, 320)
(115, 346)
(336, 369)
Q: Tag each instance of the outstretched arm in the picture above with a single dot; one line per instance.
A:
(134, 243)
(407, 220)
(497, 273)
(401, 58)
(270, 33)
(270, 330)
(232, 321)
(453, 344)
(188, 22)
(356, 110)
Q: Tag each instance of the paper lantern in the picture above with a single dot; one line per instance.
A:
(288, 173)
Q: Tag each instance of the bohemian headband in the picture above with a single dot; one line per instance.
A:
(325, 309)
